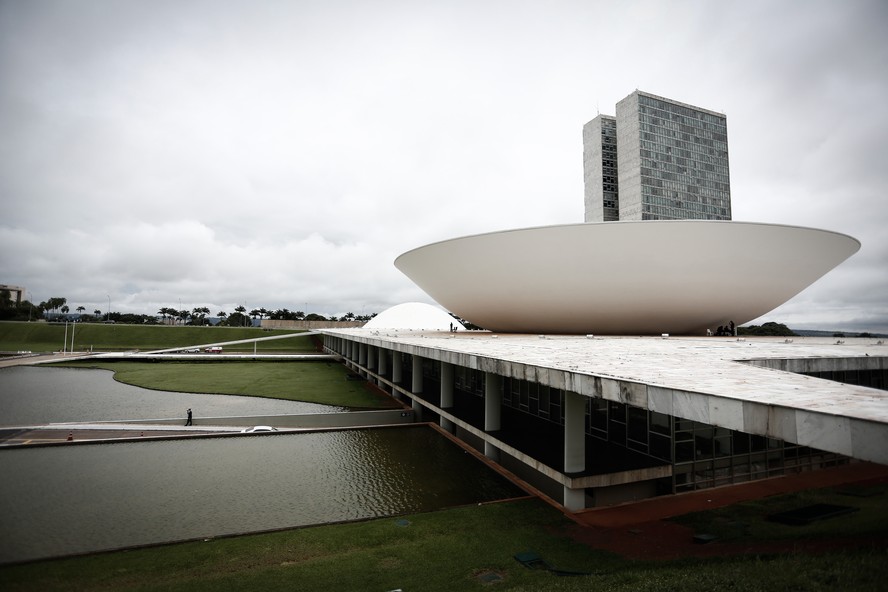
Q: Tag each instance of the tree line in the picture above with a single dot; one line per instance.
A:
(241, 318)
(57, 309)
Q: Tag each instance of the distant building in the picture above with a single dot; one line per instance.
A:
(600, 169)
(671, 162)
(16, 293)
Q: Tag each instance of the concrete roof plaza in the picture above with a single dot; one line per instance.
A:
(736, 383)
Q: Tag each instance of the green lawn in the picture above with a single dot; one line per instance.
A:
(454, 549)
(448, 550)
(47, 337)
(749, 521)
(313, 382)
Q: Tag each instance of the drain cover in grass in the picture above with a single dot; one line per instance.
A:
(488, 576)
(809, 514)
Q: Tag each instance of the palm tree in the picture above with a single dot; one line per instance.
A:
(198, 314)
(97, 312)
(80, 309)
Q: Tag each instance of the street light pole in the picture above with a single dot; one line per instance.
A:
(109, 308)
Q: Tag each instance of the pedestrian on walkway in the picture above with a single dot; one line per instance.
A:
(188, 422)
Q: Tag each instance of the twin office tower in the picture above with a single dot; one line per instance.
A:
(658, 159)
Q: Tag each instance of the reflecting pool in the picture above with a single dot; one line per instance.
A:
(89, 497)
(31, 396)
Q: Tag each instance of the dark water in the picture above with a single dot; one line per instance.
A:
(30, 396)
(64, 500)
(83, 498)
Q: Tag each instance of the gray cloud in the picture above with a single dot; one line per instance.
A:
(283, 154)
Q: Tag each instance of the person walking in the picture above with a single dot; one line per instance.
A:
(188, 421)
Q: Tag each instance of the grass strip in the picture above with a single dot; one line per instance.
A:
(48, 337)
(312, 382)
(440, 551)
(748, 521)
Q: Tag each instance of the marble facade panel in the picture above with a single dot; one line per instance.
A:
(825, 432)
(726, 413)
(610, 389)
(691, 406)
(782, 424)
(755, 418)
(660, 399)
(869, 441)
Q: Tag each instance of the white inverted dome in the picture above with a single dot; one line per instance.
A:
(414, 316)
(651, 277)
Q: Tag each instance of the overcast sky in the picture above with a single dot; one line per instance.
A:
(282, 154)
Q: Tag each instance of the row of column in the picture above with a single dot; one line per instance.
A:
(375, 359)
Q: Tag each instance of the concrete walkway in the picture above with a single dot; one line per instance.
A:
(59, 433)
(32, 359)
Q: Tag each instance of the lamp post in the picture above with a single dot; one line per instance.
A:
(109, 308)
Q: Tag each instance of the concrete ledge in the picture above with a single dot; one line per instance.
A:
(304, 420)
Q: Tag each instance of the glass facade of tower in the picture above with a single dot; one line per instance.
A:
(658, 159)
(684, 162)
(610, 189)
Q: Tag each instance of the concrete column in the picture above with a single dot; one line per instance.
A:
(417, 375)
(355, 349)
(416, 387)
(382, 355)
(574, 499)
(396, 367)
(447, 394)
(397, 375)
(574, 432)
(493, 401)
(362, 354)
(371, 357)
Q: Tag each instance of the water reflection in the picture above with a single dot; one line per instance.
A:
(85, 498)
(31, 396)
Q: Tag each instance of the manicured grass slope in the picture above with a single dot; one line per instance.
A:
(313, 382)
(440, 551)
(749, 520)
(47, 337)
